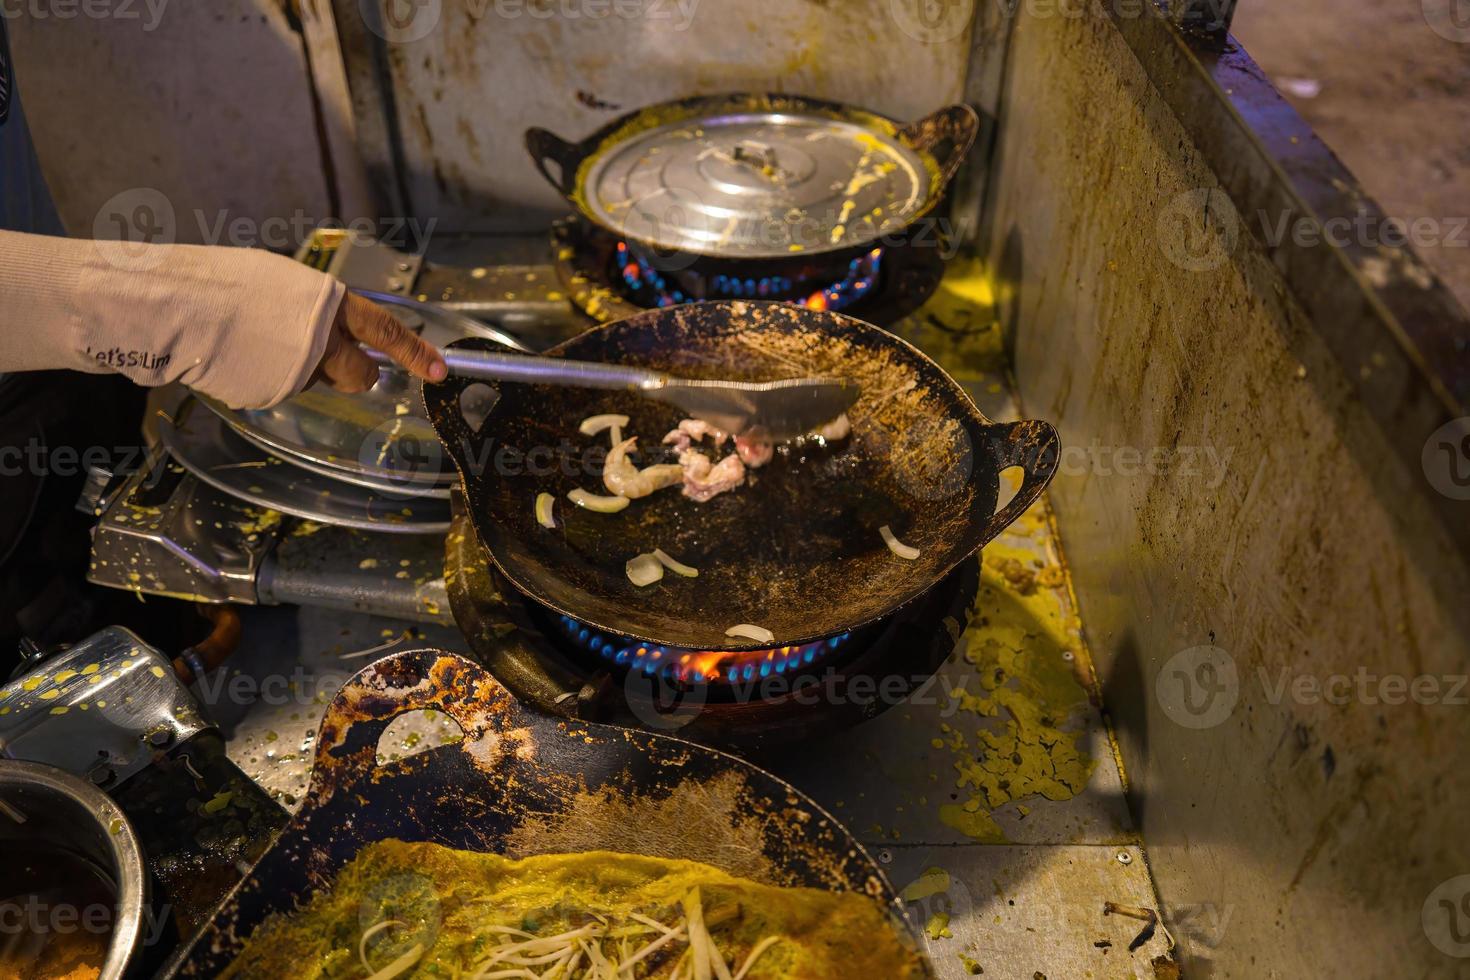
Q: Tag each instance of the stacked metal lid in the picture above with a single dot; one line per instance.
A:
(369, 461)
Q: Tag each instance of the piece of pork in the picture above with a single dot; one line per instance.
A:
(754, 451)
(704, 479)
(694, 430)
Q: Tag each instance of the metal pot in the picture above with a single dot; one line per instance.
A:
(756, 189)
(41, 805)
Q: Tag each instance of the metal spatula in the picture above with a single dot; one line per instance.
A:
(780, 409)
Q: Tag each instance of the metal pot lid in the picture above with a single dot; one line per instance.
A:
(758, 185)
(380, 436)
(204, 445)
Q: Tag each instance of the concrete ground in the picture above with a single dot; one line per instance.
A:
(1386, 83)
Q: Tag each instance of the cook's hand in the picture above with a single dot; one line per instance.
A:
(345, 367)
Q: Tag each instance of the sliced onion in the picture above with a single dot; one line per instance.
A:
(544, 517)
(674, 565)
(644, 570)
(757, 633)
(592, 501)
(597, 423)
(896, 546)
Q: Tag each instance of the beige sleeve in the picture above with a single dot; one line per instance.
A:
(241, 324)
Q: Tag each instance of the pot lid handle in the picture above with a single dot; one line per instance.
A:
(544, 145)
(946, 135)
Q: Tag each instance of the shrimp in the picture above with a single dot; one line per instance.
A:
(623, 479)
(703, 479)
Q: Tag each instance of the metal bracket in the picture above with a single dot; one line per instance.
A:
(102, 710)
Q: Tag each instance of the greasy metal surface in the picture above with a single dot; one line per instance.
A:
(521, 784)
(166, 533)
(571, 69)
(205, 445)
(796, 550)
(202, 823)
(528, 300)
(103, 709)
(362, 262)
(270, 696)
(508, 636)
(719, 206)
(1401, 338)
(1284, 526)
(176, 536)
(342, 568)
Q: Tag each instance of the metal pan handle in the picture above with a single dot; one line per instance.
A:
(1035, 447)
(347, 742)
(946, 135)
(544, 145)
(464, 440)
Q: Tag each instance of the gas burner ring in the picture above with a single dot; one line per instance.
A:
(696, 667)
(649, 286)
(592, 270)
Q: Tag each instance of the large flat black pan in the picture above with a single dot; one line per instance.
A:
(797, 550)
(522, 784)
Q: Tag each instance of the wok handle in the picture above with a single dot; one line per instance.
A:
(545, 145)
(946, 134)
(347, 742)
(464, 440)
(1032, 445)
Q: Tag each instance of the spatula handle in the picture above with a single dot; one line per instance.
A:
(495, 366)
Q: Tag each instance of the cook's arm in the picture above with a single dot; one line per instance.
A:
(243, 325)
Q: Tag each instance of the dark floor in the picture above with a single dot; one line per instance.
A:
(1387, 84)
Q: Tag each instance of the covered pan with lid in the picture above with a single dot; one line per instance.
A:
(756, 185)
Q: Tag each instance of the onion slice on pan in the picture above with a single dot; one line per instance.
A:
(597, 423)
(674, 565)
(896, 546)
(543, 510)
(592, 501)
(751, 632)
(644, 570)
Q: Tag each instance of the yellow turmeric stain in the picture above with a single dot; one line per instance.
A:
(1032, 706)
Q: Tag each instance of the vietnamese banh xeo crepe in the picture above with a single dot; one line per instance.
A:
(417, 910)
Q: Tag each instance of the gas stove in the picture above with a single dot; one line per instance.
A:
(749, 699)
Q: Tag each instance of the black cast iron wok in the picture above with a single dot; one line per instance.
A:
(797, 550)
(521, 784)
